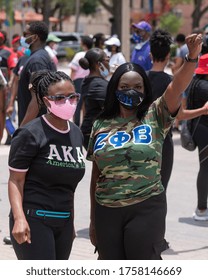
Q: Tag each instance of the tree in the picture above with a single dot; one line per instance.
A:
(199, 9)
(114, 8)
(170, 22)
(64, 8)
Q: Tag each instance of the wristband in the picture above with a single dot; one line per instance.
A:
(188, 59)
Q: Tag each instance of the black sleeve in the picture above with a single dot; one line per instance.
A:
(23, 149)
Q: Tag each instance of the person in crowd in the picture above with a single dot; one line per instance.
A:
(93, 88)
(8, 60)
(160, 42)
(78, 73)
(98, 40)
(14, 88)
(46, 164)
(141, 52)
(113, 46)
(17, 48)
(35, 36)
(51, 46)
(198, 107)
(128, 200)
(181, 52)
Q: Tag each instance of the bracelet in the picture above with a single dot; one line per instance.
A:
(188, 59)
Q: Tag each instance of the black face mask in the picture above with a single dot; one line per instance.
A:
(130, 98)
(109, 48)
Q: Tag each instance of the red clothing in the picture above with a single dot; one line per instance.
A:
(8, 58)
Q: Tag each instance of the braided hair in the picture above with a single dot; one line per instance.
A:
(41, 80)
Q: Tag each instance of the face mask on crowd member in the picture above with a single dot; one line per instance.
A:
(141, 31)
(62, 106)
(130, 98)
(104, 72)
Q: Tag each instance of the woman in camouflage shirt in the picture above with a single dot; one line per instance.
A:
(128, 201)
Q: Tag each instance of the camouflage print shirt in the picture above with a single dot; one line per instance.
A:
(128, 153)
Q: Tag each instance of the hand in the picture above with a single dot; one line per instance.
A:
(205, 108)
(194, 44)
(93, 235)
(21, 231)
(9, 110)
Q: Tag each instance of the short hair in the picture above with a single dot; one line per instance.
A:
(111, 104)
(160, 42)
(40, 28)
(87, 41)
(180, 38)
(91, 58)
(41, 80)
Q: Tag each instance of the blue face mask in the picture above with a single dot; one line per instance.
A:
(130, 98)
(103, 72)
(23, 42)
(137, 38)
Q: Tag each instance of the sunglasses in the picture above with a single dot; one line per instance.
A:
(61, 99)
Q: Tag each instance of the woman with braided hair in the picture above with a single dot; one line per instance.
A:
(46, 164)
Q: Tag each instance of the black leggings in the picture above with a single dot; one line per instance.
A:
(133, 232)
(51, 239)
(167, 160)
(201, 136)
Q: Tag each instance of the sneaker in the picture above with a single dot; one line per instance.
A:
(7, 240)
(200, 215)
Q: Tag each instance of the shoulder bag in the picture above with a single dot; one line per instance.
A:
(187, 133)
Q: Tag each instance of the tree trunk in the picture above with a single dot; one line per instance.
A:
(46, 11)
(116, 18)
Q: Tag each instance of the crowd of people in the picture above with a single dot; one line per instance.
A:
(122, 113)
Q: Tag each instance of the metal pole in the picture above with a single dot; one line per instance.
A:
(125, 28)
(77, 13)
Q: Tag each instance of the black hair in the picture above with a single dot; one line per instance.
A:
(41, 80)
(160, 42)
(180, 38)
(87, 41)
(40, 28)
(91, 58)
(98, 40)
(111, 104)
(15, 35)
(109, 48)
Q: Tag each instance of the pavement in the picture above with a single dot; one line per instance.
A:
(188, 239)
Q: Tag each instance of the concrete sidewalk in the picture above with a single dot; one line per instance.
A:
(188, 239)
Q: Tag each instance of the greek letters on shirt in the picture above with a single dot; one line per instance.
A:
(142, 135)
(65, 157)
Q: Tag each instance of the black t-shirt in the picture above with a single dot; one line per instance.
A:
(54, 163)
(22, 60)
(159, 81)
(39, 60)
(93, 90)
(200, 96)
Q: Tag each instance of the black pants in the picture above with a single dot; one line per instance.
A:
(167, 160)
(200, 137)
(133, 232)
(51, 239)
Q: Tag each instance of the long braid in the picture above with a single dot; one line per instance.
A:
(41, 80)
